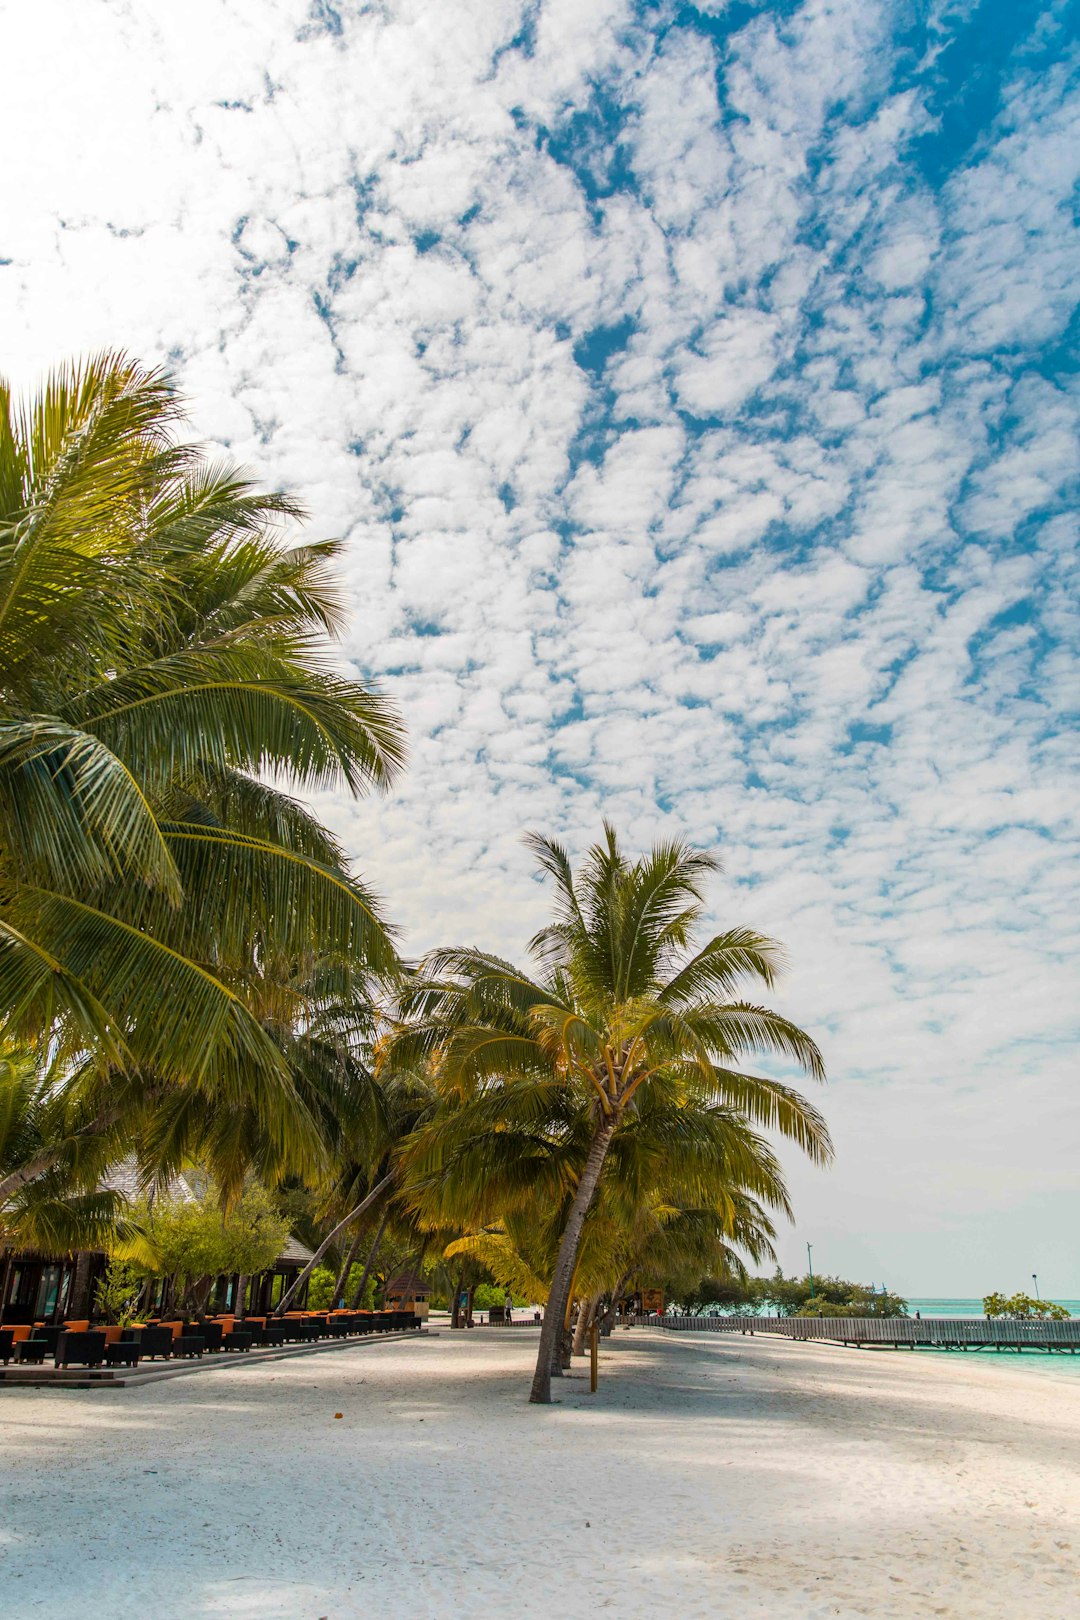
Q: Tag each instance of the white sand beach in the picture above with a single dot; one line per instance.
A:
(713, 1477)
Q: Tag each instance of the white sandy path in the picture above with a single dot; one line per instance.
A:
(724, 1478)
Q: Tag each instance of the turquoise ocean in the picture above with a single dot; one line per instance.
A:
(969, 1307)
(1032, 1361)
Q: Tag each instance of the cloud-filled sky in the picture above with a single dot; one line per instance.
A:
(696, 388)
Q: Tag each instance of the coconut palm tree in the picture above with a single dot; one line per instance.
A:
(619, 1003)
(164, 683)
(64, 1207)
(686, 1187)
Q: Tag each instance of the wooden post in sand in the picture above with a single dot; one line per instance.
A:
(594, 1354)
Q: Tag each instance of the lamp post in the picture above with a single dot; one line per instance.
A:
(1035, 1280)
(810, 1266)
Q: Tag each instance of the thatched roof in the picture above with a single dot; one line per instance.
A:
(406, 1285)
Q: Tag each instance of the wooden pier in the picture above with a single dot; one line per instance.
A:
(892, 1332)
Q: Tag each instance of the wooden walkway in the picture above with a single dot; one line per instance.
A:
(892, 1332)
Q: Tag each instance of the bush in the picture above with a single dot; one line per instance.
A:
(485, 1295)
(793, 1296)
(1022, 1308)
(320, 1295)
(117, 1294)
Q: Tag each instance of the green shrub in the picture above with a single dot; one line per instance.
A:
(1022, 1308)
(117, 1294)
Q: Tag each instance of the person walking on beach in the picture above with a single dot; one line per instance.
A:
(508, 1310)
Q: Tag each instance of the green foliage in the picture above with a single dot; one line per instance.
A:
(485, 1295)
(1022, 1308)
(321, 1288)
(791, 1296)
(320, 1295)
(195, 1238)
(162, 652)
(118, 1292)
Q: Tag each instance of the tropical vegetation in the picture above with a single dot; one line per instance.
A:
(197, 986)
(743, 1295)
(1022, 1308)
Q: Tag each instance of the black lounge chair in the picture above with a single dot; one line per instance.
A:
(188, 1344)
(152, 1341)
(7, 1341)
(87, 1349)
(29, 1351)
(237, 1340)
(122, 1353)
(50, 1336)
(210, 1331)
(271, 1333)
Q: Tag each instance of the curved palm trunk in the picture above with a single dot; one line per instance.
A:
(584, 1322)
(607, 1320)
(353, 1215)
(346, 1267)
(370, 1261)
(563, 1279)
(240, 1302)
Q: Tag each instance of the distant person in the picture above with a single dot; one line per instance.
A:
(508, 1310)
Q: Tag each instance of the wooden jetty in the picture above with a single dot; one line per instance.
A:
(892, 1332)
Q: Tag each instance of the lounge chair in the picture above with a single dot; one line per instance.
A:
(31, 1351)
(7, 1343)
(122, 1353)
(85, 1348)
(152, 1341)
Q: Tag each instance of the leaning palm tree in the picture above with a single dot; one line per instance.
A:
(164, 680)
(619, 1003)
(685, 1184)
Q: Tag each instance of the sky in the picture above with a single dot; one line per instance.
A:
(695, 389)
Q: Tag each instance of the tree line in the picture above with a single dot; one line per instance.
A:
(194, 979)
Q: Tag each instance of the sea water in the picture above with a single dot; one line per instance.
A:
(970, 1307)
(1031, 1360)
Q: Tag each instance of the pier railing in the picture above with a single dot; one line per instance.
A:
(940, 1332)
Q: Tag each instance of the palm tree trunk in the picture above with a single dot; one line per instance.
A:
(584, 1322)
(370, 1261)
(353, 1215)
(608, 1318)
(346, 1267)
(241, 1296)
(563, 1278)
(79, 1303)
(455, 1313)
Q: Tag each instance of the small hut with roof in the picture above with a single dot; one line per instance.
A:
(406, 1292)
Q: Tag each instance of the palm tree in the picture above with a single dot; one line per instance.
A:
(359, 1185)
(618, 1005)
(686, 1187)
(164, 680)
(64, 1207)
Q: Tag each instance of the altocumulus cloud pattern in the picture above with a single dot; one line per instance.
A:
(696, 387)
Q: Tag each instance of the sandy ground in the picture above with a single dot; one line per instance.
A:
(707, 1477)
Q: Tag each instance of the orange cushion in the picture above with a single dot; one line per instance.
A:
(78, 1327)
(20, 1332)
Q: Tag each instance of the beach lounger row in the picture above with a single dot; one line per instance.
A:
(80, 1344)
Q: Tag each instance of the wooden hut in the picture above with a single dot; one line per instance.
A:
(406, 1292)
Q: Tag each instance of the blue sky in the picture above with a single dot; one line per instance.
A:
(696, 388)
